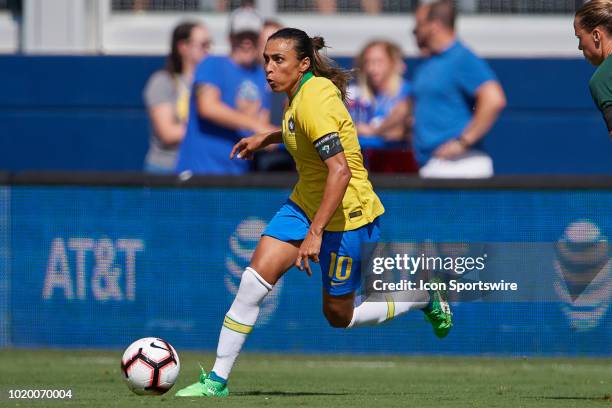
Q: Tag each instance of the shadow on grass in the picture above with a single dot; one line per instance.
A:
(286, 394)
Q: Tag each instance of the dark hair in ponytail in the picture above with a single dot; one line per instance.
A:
(182, 32)
(320, 64)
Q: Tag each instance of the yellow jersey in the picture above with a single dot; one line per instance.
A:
(317, 110)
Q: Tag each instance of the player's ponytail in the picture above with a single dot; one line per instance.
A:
(320, 64)
(324, 66)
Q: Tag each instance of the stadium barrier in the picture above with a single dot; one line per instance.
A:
(101, 259)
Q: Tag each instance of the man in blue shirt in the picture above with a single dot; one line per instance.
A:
(230, 100)
(456, 99)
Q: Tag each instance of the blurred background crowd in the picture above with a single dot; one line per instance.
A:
(364, 6)
(426, 99)
(439, 120)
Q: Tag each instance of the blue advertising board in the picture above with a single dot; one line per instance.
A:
(103, 266)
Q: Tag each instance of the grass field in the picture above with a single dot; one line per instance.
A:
(322, 381)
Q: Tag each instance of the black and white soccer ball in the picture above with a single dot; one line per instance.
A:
(150, 366)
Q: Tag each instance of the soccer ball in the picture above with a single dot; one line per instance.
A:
(150, 366)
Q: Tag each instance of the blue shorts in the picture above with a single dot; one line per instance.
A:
(340, 256)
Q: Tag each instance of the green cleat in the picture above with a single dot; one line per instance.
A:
(438, 312)
(205, 387)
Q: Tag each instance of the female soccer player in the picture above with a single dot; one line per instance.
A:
(331, 212)
(593, 27)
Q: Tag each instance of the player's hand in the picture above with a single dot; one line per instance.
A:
(310, 248)
(245, 149)
(450, 150)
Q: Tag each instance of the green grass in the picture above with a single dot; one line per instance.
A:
(322, 381)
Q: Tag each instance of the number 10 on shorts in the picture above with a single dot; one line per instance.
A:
(341, 266)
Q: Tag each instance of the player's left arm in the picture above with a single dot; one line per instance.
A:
(339, 174)
(490, 101)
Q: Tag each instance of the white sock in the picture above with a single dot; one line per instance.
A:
(239, 320)
(376, 311)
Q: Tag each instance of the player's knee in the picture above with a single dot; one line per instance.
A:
(337, 317)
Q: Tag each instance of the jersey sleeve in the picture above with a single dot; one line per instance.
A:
(601, 93)
(321, 112)
(209, 72)
(474, 72)
(159, 89)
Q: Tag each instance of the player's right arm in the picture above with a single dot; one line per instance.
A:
(247, 146)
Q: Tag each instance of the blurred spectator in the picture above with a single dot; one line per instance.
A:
(457, 99)
(331, 6)
(270, 26)
(593, 27)
(379, 101)
(326, 6)
(167, 92)
(218, 6)
(231, 100)
(371, 6)
(140, 5)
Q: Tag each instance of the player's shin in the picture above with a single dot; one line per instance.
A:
(239, 322)
(381, 308)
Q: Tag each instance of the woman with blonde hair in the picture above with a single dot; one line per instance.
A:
(593, 27)
(379, 101)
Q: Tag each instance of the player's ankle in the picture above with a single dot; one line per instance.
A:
(213, 376)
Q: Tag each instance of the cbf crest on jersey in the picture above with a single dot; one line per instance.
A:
(291, 124)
